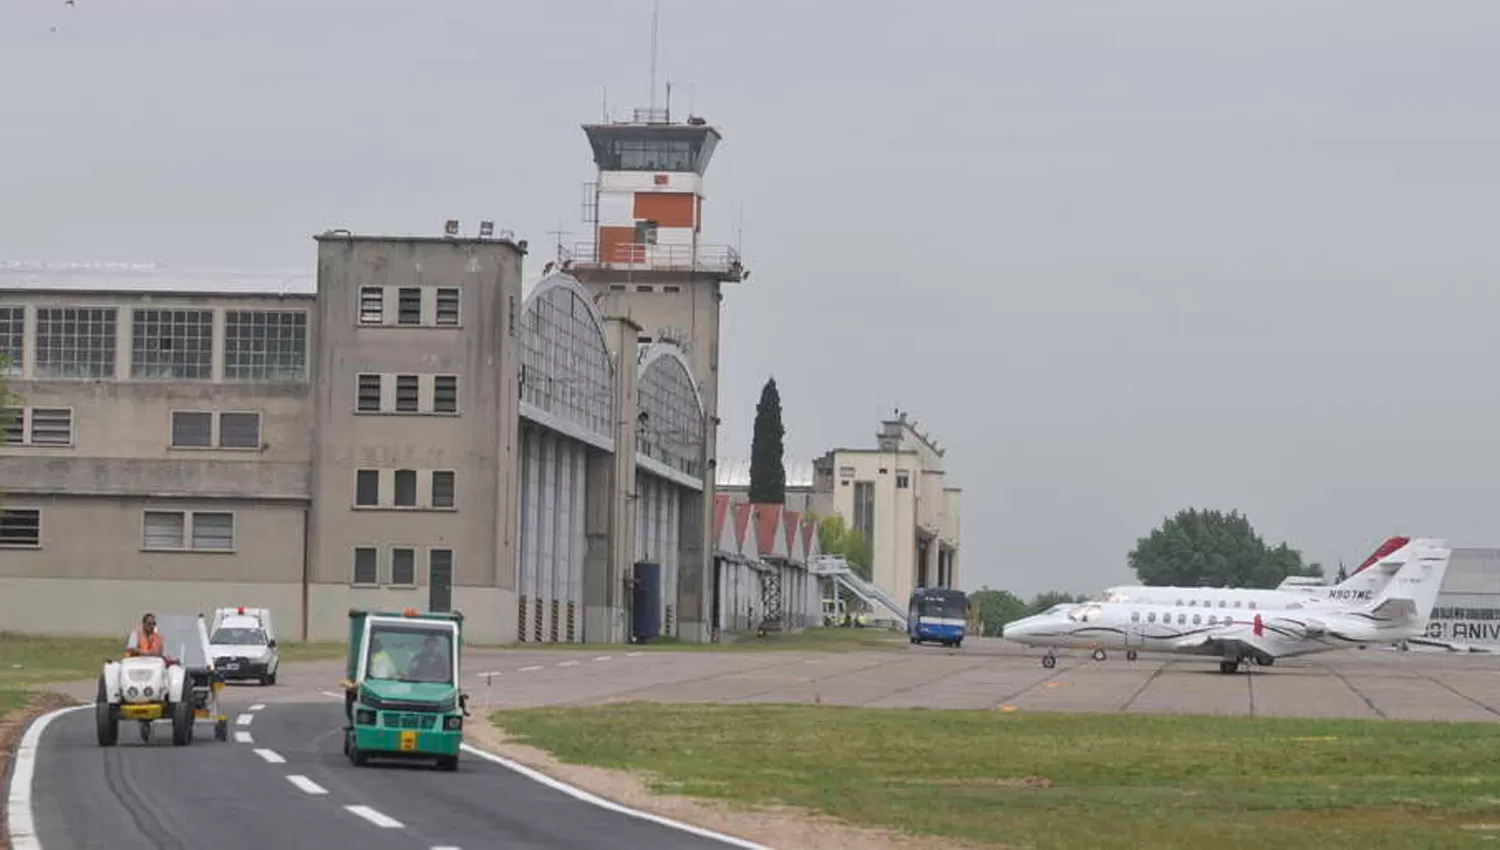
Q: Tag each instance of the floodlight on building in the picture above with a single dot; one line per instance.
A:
(486, 229)
(450, 228)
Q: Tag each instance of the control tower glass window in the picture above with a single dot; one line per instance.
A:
(653, 154)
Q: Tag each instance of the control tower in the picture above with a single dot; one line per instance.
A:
(647, 262)
(647, 259)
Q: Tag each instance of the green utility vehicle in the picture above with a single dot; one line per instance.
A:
(401, 687)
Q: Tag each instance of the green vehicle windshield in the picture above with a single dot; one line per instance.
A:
(410, 653)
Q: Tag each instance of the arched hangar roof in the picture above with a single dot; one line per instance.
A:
(567, 375)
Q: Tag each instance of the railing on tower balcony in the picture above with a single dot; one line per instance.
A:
(717, 259)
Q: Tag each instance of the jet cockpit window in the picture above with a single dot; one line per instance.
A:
(1085, 613)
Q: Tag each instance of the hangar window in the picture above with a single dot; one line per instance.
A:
(404, 567)
(406, 488)
(372, 305)
(443, 488)
(172, 344)
(367, 488)
(206, 530)
(192, 429)
(409, 306)
(368, 393)
(20, 527)
(265, 345)
(672, 430)
(566, 368)
(447, 307)
(12, 340)
(408, 393)
(75, 342)
(239, 430)
(366, 565)
(445, 394)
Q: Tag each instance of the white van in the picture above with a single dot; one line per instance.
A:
(243, 643)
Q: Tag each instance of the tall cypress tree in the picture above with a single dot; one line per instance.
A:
(767, 474)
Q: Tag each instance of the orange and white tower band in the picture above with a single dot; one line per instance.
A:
(648, 201)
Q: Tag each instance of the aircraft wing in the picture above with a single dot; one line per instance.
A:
(1221, 641)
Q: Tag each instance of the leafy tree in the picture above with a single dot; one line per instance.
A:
(767, 474)
(1210, 548)
(996, 608)
(1043, 601)
(836, 537)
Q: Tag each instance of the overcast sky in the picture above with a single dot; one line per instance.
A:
(1120, 258)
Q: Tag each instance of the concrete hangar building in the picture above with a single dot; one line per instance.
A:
(410, 426)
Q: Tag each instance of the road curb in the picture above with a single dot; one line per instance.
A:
(20, 822)
(595, 800)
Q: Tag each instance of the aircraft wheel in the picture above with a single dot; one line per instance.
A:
(1049, 661)
(1228, 667)
(1130, 655)
(1265, 662)
(1100, 655)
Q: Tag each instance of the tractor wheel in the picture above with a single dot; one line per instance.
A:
(106, 718)
(182, 723)
(221, 729)
(447, 763)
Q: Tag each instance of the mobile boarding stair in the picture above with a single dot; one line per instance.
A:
(838, 569)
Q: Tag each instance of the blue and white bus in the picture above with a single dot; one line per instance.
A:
(938, 614)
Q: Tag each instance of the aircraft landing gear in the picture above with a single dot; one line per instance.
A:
(1130, 655)
(1265, 662)
(1229, 666)
(1049, 661)
(1099, 655)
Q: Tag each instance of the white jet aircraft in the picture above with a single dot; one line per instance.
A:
(1398, 613)
(1368, 579)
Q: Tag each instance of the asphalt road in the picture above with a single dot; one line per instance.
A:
(283, 782)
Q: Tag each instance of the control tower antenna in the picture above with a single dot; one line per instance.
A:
(655, 18)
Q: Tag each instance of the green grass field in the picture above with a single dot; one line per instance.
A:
(1059, 781)
(27, 661)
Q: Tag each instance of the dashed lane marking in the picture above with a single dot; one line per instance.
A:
(604, 658)
(257, 707)
(529, 669)
(567, 663)
(333, 694)
(380, 820)
(271, 756)
(244, 719)
(633, 654)
(307, 785)
(243, 738)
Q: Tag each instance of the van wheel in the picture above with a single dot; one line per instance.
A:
(1130, 655)
(271, 679)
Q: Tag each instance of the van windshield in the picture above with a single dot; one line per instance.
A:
(238, 637)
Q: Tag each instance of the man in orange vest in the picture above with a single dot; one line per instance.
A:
(148, 640)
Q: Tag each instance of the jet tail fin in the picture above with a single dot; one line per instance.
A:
(1412, 591)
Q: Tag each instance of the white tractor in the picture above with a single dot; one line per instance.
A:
(181, 688)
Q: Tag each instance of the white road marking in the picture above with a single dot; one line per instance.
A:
(244, 719)
(243, 738)
(375, 817)
(20, 821)
(331, 694)
(529, 669)
(447, 847)
(604, 658)
(257, 707)
(633, 654)
(307, 785)
(487, 675)
(567, 663)
(580, 794)
(271, 756)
